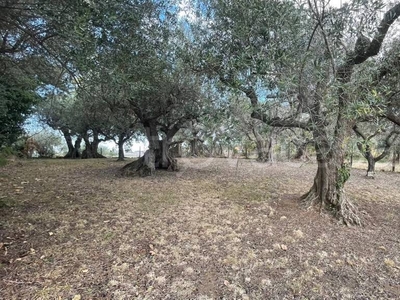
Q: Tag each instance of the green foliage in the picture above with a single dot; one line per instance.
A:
(5, 153)
(46, 141)
(16, 101)
(343, 176)
(3, 160)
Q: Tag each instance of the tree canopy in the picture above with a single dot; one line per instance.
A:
(221, 73)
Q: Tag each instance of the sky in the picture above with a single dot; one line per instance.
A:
(186, 12)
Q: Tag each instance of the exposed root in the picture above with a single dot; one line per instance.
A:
(347, 212)
(137, 168)
(344, 210)
(310, 199)
(146, 166)
(173, 165)
(94, 155)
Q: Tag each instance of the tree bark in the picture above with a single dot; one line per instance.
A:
(332, 173)
(121, 154)
(175, 150)
(91, 148)
(77, 146)
(263, 149)
(301, 152)
(371, 159)
(263, 146)
(193, 147)
(73, 148)
(156, 157)
(396, 157)
(68, 140)
(371, 166)
(327, 190)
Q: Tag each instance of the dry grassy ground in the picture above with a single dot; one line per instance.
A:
(218, 229)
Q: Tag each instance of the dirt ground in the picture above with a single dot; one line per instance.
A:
(218, 229)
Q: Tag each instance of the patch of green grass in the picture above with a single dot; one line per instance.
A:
(108, 236)
(6, 202)
(3, 161)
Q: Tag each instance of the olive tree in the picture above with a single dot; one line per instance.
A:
(297, 63)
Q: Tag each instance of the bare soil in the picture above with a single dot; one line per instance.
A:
(218, 229)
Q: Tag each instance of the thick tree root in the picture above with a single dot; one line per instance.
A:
(95, 155)
(344, 210)
(173, 165)
(137, 168)
(348, 212)
(146, 166)
(310, 199)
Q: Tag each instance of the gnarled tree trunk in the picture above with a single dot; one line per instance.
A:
(327, 190)
(332, 172)
(156, 157)
(73, 148)
(367, 153)
(263, 146)
(91, 148)
(68, 140)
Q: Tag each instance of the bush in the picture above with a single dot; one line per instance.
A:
(5, 152)
(3, 161)
(45, 143)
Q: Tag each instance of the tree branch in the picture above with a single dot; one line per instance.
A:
(388, 144)
(363, 52)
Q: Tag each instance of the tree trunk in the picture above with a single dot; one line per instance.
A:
(175, 150)
(193, 147)
(121, 154)
(68, 140)
(212, 149)
(77, 147)
(301, 149)
(301, 153)
(262, 152)
(73, 149)
(332, 173)
(91, 148)
(157, 157)
(327, 190)
(263, 146)
(371, 164)
(270, 150)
